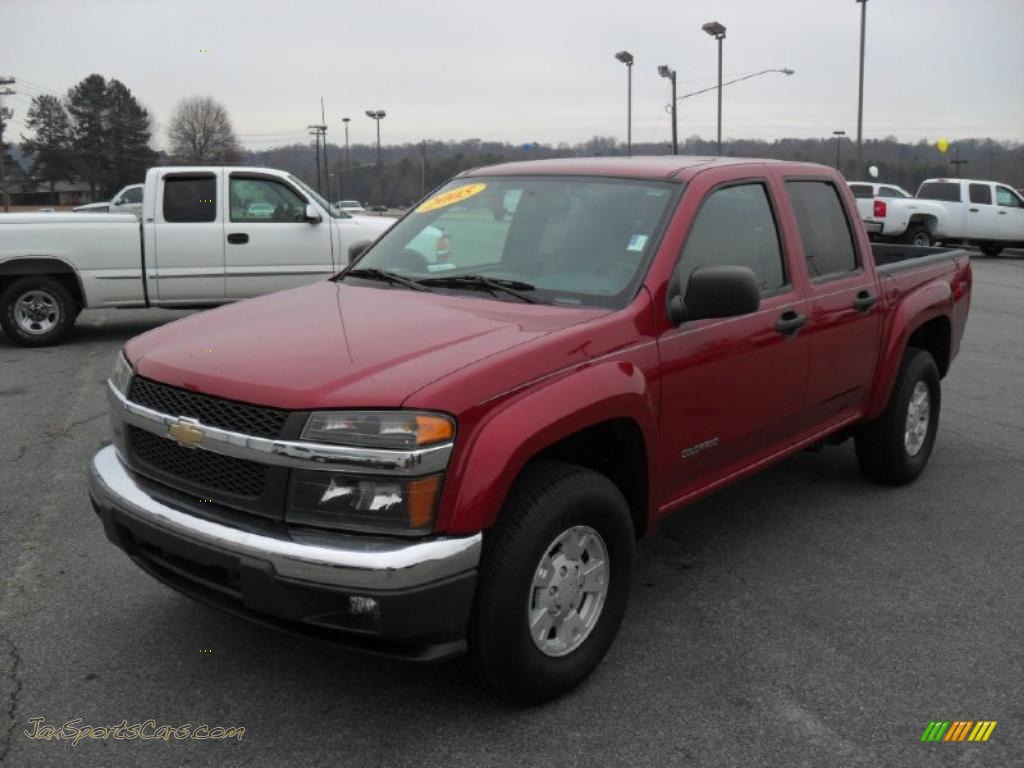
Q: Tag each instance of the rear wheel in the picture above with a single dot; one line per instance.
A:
(894, 448)
(991, 250)
(37, 311)
(918, 234)
(554, 583)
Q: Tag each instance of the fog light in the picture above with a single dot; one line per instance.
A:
(363, 503)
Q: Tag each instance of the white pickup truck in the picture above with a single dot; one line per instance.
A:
(891, 213)
(983, 213)
(207, 236)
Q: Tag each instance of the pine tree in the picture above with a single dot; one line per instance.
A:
(128, 136)
(86, 106)
(50, 146)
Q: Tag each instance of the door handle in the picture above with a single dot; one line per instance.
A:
(790, 323)
(864, 301)
(238, 238)
(973, 210)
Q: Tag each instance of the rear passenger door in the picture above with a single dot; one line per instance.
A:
(733, 388)
(843, 324)
(1009, 215)
(981, 212)
(188, 257)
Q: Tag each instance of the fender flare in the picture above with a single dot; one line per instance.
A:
(507, 438)
(917, 308)
(41, 264)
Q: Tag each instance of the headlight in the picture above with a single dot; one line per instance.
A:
(397, 430)
(121, 376)
(363, 503)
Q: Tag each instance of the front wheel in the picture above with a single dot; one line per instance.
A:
(554, 583)
(991, 250)
(894, 448)
(37, 311)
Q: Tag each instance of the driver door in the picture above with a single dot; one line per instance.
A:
(269, 246)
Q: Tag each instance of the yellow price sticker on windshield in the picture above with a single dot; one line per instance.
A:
(451, 197)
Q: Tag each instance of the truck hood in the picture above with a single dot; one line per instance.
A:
(337, 345)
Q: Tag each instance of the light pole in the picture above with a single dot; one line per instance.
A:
(341, 182)
(860, 86)
(664, 71)
(838, 135)
(627, 58)
(377, 115)
(717, 31)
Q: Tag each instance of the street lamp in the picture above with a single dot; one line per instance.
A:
(627, 58)
(785, 71)
(838, 135)
(664, 71)
(717, 31)
(860, 86)
(377, 115)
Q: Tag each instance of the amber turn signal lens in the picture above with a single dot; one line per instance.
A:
(433, 429)
(421, 496)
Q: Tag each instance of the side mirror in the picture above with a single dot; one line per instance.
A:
(312, 214)
(358, 249)
(726, 291)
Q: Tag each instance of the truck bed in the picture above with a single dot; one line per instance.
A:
(894, 258)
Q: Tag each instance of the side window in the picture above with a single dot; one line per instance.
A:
(862, 191)
(824, 229)
(981, 193)
(889, 192)
(264, 200)
(132, 196)
(1007, 199)
(946, 191)
(735, 225)
(190, 198)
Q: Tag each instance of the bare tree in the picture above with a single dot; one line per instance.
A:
(200, 132)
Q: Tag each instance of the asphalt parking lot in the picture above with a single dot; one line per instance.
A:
(801, 618)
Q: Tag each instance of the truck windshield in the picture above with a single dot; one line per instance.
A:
(559, 240)
(331, 210)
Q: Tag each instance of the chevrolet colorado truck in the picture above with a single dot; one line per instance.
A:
(207, 236)
(425, 462)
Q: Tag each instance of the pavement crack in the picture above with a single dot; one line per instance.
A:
(7, 729)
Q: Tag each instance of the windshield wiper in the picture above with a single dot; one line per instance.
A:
(481, 282)
(372, 273)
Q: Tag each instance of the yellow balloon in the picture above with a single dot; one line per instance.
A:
(942, 144)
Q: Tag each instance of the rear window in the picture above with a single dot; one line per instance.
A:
(890, 192)
(190, 198)
(824, 230)
(863, 191)
(981, 193)
(940, 190)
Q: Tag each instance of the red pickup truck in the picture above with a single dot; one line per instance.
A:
(423, 457)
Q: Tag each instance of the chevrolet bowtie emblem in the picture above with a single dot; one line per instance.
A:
(185, 434)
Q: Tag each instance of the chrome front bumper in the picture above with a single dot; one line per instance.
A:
(326, 559)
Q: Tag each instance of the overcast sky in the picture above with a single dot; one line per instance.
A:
(534, 70)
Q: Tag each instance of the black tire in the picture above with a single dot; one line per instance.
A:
(64, 307)
(918, 234)
(547, 500)
(882, 450)
(991, 250)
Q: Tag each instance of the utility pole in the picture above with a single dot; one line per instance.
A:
(341, 181)
(316, 131)
(5, 114)
(956, 162)
(665, 71)
(860, 88)
(327, 163)
(717, 31)
(627, 58)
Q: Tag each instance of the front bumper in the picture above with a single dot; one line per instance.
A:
(398, 598)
